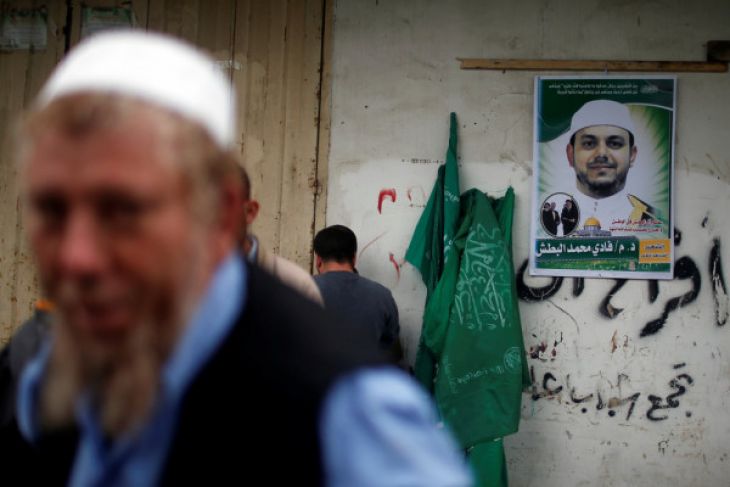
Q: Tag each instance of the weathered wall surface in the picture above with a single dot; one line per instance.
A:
(22, 73)
(614, 401)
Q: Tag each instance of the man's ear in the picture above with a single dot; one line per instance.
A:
(318, 263)
(569, 152)
(250, 211)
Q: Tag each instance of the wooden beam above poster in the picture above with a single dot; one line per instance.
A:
(717, 61)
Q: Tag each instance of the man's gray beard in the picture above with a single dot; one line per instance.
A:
(122, 379)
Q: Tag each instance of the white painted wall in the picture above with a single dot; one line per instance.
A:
(395, 80)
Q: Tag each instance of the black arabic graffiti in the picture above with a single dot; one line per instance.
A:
(671, 399)
(535, 294)
(684, 268)
(718, 284)
(606, 308)
(551, 389)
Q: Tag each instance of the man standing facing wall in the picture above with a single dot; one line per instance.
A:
(367, 303)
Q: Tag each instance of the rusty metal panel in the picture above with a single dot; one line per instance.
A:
(176, 17)
(260, 45)
(22, 72)
(272, 52)
(278, 49)
(325, 111)
(303, 60)
(208, 25)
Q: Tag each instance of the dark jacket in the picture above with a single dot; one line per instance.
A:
(253, 411)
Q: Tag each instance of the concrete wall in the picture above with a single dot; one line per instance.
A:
(608, 406)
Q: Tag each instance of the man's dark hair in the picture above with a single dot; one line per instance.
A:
(336, 243)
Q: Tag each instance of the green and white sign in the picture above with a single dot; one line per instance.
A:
(603, 177)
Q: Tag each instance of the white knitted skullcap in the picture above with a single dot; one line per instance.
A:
(602, 112)
(156, 68)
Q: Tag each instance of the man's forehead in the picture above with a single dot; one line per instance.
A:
(81, 119)
(141, 146)
(602, 131)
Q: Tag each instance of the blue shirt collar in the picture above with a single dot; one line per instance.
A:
(254, 252)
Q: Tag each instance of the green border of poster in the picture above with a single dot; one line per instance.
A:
(623, 219)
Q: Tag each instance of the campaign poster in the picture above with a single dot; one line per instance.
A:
(603, 177)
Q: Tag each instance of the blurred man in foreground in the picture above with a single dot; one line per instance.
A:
(168, 347)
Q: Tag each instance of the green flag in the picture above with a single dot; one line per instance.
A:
(434, 232)
(472, 326)
(433, 236)
(471, 354)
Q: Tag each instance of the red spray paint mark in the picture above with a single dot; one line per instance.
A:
(419, 192)
(383, 193)
(391, 257)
